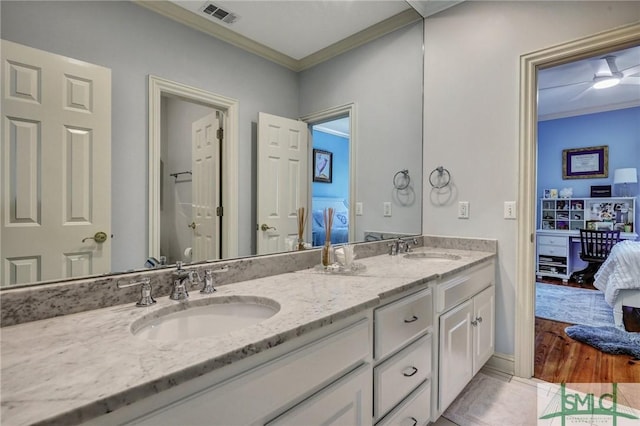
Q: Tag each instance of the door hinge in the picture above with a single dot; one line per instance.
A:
(220, 134)
(219, 211)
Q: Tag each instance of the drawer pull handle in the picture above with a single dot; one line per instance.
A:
(415, 421)
(405, 374)
(412, 319)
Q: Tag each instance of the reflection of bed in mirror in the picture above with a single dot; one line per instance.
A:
(619, 278)
(340, 228)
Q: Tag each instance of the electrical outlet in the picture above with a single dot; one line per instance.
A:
(359, 209)
(463, 210)
(387, 209)
(509, 209)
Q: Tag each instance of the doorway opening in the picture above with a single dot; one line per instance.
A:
(602, 43)
(330, 184)
(332, 159)
(227, 117)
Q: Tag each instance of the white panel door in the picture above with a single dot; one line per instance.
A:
(484, 341)
(205, 188)
(456, 352)
(55, 168)
(282, 180)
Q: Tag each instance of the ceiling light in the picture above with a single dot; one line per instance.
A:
(604, 82)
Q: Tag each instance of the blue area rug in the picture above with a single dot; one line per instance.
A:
(573, 305)
(610, 340)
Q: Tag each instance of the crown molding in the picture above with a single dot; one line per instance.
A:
(183, 16)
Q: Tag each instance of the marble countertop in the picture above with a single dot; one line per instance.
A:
(69, 369)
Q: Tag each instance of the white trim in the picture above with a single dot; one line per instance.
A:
(342, 110)
(159, 86)
(180, 14)
(607, 41)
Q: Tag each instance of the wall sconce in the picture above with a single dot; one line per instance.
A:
(625, 177)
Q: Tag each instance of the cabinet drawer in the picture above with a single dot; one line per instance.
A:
(400, 321)
(552, 241)
(549, 250)
(415, 410)
(250, 396)
(463, 286)
(399, 375)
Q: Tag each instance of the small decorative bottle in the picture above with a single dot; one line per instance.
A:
(327, 254)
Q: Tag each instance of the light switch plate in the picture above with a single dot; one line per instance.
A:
(463, 210)
(387, 209)
(509, 209)
(359, 209)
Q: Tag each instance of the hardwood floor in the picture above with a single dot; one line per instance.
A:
(560, 359)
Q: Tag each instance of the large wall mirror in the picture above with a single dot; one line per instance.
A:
(377, 85)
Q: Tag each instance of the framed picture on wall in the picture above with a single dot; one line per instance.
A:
(322, 166)
(585, 163)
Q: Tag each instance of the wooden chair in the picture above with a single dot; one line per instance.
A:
(595, 248)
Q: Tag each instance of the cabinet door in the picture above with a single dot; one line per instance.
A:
(346, 402)
(456, 352)
(484, 328)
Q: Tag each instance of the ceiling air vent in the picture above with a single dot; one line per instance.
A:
(217, 13)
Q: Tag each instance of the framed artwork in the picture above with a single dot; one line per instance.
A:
(585, 163)
(322, 166)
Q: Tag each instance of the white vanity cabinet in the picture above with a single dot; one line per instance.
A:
(403, 332)
(466, 305)
(329, 378)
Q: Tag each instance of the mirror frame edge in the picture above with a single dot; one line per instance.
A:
(230, 107)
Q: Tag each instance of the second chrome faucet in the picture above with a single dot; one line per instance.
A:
(182, 278)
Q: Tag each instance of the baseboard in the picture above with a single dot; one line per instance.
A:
(502, 363)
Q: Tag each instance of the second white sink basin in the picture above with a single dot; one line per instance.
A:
(204, 318)
(432, 256)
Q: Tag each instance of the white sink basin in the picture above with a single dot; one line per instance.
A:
(432, 256)
(204, 318)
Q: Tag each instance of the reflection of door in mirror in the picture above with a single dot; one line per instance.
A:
(190, 227)
(282, 185)
(56, 157)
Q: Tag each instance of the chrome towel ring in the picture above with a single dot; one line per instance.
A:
(401, 180)
(442, 178)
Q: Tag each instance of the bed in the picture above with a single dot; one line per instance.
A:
(619, 278)
(340, 228)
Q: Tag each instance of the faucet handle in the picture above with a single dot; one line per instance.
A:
(208, 279)
(145, 291)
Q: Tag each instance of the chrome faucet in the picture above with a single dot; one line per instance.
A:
(400, 245)
(145, 293)
(181, 278)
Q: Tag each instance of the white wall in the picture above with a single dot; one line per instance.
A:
(471, 123)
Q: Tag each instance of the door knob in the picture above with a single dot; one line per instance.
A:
(192, 225)
(99, 237)
(266, 227)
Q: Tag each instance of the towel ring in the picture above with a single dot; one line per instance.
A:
(440, 180)
(401, 180)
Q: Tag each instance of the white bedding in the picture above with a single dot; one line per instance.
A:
(620, 271)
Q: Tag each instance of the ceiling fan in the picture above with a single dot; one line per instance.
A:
(605, 74)
(608, 75)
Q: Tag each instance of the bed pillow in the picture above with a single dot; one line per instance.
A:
(341, 220)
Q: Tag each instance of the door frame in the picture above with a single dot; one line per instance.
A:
(615, 39)
(157, 88)
(326, 115)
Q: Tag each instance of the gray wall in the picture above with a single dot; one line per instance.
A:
(134, 43)
(472, 72)
(384, 79)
